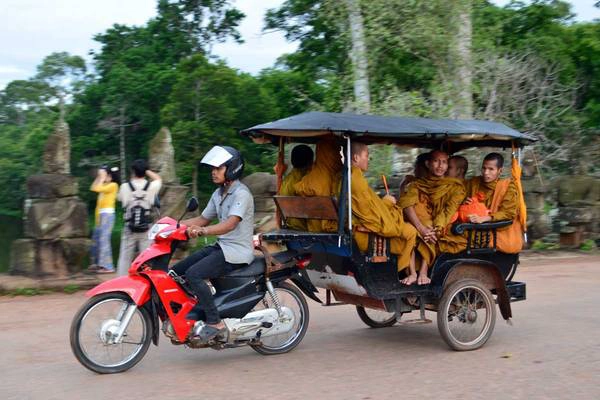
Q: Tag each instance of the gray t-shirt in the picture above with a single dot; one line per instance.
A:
(237, 244)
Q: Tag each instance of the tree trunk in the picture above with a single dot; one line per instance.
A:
(358, 55)
(122, 140)
(197, 135)
(463, 108)
(195, 175)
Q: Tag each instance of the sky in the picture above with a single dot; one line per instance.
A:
(33, 29)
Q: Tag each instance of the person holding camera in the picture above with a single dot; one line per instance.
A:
(106, 185)
(137, 196)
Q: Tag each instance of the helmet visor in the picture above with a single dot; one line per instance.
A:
(216, 157)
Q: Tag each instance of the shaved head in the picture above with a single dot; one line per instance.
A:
(457, 167)
(437, 163)
(360, 155)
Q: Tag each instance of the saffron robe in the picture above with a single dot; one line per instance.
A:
(324, 179)
(287, 189)
(435, 201)
(382, 218)
(502, 199)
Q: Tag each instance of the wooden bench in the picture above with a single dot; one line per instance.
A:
(315, 207)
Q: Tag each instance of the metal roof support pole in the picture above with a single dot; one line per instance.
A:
(349, 158)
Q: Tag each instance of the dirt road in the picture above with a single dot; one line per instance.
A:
(551, 352)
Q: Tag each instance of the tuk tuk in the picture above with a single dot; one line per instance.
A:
(464, 286)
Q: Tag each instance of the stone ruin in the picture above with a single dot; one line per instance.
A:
(55, 219)
(539, 223)
(263, 187)
(161, 159)
(578, 199)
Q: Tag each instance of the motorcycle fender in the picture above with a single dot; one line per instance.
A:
(134, 286)
(300, 279)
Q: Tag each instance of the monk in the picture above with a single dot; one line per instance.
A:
(501, 197)
(419, 171)
(378, 215)
(324, 179)
(457, 167)
(302, 160)
(429, 203)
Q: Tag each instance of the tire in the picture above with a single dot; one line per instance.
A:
(84, 331)
(286, 292)
(469, 306)
(384, 321)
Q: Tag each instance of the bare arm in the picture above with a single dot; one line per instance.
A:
(153, 175)
(218, 229)
(428, 233)
(196, 221)
(97, 184)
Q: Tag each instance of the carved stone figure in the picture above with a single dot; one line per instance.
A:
(56, 242)
(57, 152)
(161, 156)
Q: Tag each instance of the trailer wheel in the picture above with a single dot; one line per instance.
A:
(466, 315)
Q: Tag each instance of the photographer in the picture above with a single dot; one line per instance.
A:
(106, 185)
(137, 198)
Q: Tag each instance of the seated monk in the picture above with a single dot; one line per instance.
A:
(419, 171)
(429, 203)
(302, 159)
(324, 179)
(501, 197)
(457, 167)
(376, 215)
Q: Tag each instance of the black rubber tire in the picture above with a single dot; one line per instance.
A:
(442, 314)
(304, 305)
(76, 325)
(364, 317)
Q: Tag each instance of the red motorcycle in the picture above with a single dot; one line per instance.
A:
(113, 329)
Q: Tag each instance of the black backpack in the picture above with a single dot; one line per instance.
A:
(138, 214)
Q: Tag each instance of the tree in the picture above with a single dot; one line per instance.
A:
(358, 55)
(209, 104)
(63, 74)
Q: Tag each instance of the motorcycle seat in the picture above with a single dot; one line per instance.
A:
(257, 267)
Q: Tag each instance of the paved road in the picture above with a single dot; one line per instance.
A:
(551, 352)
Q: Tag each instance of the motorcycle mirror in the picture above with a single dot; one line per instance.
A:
(192, 205)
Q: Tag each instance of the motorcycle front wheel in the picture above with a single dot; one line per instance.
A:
(288, 296)
(94, 329)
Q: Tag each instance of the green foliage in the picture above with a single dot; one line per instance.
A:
(588, 245)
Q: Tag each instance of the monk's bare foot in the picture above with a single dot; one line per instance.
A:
(423, 280)
(409, 280)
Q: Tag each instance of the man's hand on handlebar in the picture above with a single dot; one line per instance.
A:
(196, 231)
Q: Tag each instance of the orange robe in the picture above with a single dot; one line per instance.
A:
(501, 197)
(435, 202)
(382, 218)
(324, 179)
(287, 189)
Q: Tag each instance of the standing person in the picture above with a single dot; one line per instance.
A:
(106, 185)
(233, 205)
(137, 198)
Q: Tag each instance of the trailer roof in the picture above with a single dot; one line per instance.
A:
(415, 132)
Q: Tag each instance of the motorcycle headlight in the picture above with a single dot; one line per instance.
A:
(155, 229)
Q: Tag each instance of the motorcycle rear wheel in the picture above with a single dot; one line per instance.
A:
(289, 296)
(92, 328)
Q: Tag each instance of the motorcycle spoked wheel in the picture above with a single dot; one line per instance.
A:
(93, 325)
(289, 296)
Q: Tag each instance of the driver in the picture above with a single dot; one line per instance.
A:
(232, 204)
